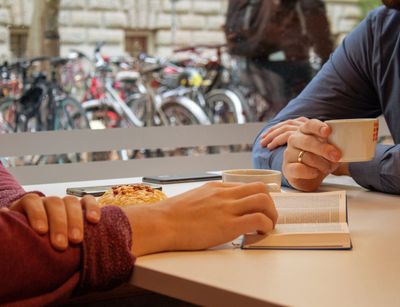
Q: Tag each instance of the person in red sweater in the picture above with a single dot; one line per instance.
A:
(33, 273)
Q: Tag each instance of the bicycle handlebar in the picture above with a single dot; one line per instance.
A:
(194, 48)
(79, 53)
(56, 61)
(39, 59)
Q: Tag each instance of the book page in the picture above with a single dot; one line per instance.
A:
(310, 228)
(324, 207)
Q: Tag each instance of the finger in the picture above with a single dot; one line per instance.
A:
(302, 119)
(218, 184)
(261, 203)
(292, 122)
(300, 171)
(316, 127)
(314, 161)
(273, 128)
(75, 220)
(247, 189)
(279, 140)
(312, 144)
(274, 134)
(231, 184)
(32, 206)
(258, 222)
(92, 208)
(57, 217)
(4, 209)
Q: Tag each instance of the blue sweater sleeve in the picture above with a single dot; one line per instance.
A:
(346, 87)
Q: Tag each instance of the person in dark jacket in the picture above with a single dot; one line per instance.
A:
(360, 80)
(295, 31)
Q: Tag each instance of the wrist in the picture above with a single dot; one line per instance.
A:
(151, 231)
(342, 170)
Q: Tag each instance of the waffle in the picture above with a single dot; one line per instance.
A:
(133, 194)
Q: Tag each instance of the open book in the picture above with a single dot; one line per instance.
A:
(306, 221)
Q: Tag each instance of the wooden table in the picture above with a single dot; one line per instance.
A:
(367, 275)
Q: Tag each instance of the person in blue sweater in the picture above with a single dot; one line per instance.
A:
(360, 80)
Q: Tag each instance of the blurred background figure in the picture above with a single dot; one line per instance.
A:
(280, 43)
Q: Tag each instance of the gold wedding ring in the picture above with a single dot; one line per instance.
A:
(300, 156)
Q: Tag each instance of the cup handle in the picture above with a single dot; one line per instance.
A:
(273, 187)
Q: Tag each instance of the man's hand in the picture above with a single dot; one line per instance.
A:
(62, 216)
(309, 158)
(213, 214)
(279, 134)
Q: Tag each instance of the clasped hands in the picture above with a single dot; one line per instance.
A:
(62, 218)
(308, 157)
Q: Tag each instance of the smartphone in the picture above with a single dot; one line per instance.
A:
(168, 179)
(100, 190)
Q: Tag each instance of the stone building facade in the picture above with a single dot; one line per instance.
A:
(139, 25)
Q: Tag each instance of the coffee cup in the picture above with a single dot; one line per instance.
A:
(356, 138)
(271, 178)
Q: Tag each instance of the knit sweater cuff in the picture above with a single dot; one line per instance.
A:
(107, 257)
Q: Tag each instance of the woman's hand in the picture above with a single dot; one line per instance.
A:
(63, 217)
(279, 134)
(213, 214)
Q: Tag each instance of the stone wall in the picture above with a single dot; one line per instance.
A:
(84, 22)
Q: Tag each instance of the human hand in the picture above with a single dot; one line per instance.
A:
(61, 216)
(279, 134)
(213, 214)
(318, 159)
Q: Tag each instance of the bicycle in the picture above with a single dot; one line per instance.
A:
(148, 106)
(44, 106)
(223, 102)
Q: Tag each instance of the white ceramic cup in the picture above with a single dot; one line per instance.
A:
(356, 138)
(271, 178)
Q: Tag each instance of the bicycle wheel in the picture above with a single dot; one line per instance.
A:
(226, 106)
(101, 115)
(176, 115)
(137, 103)
(7, 116)
(70, 115)
(180, 110)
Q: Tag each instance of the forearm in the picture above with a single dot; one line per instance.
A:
(29, 263)
(382, 173)
(147, 223)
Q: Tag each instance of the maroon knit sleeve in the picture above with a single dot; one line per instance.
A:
(107, 257)
(28, 261)
(32, 273)
(10, 189)
(31, 270)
